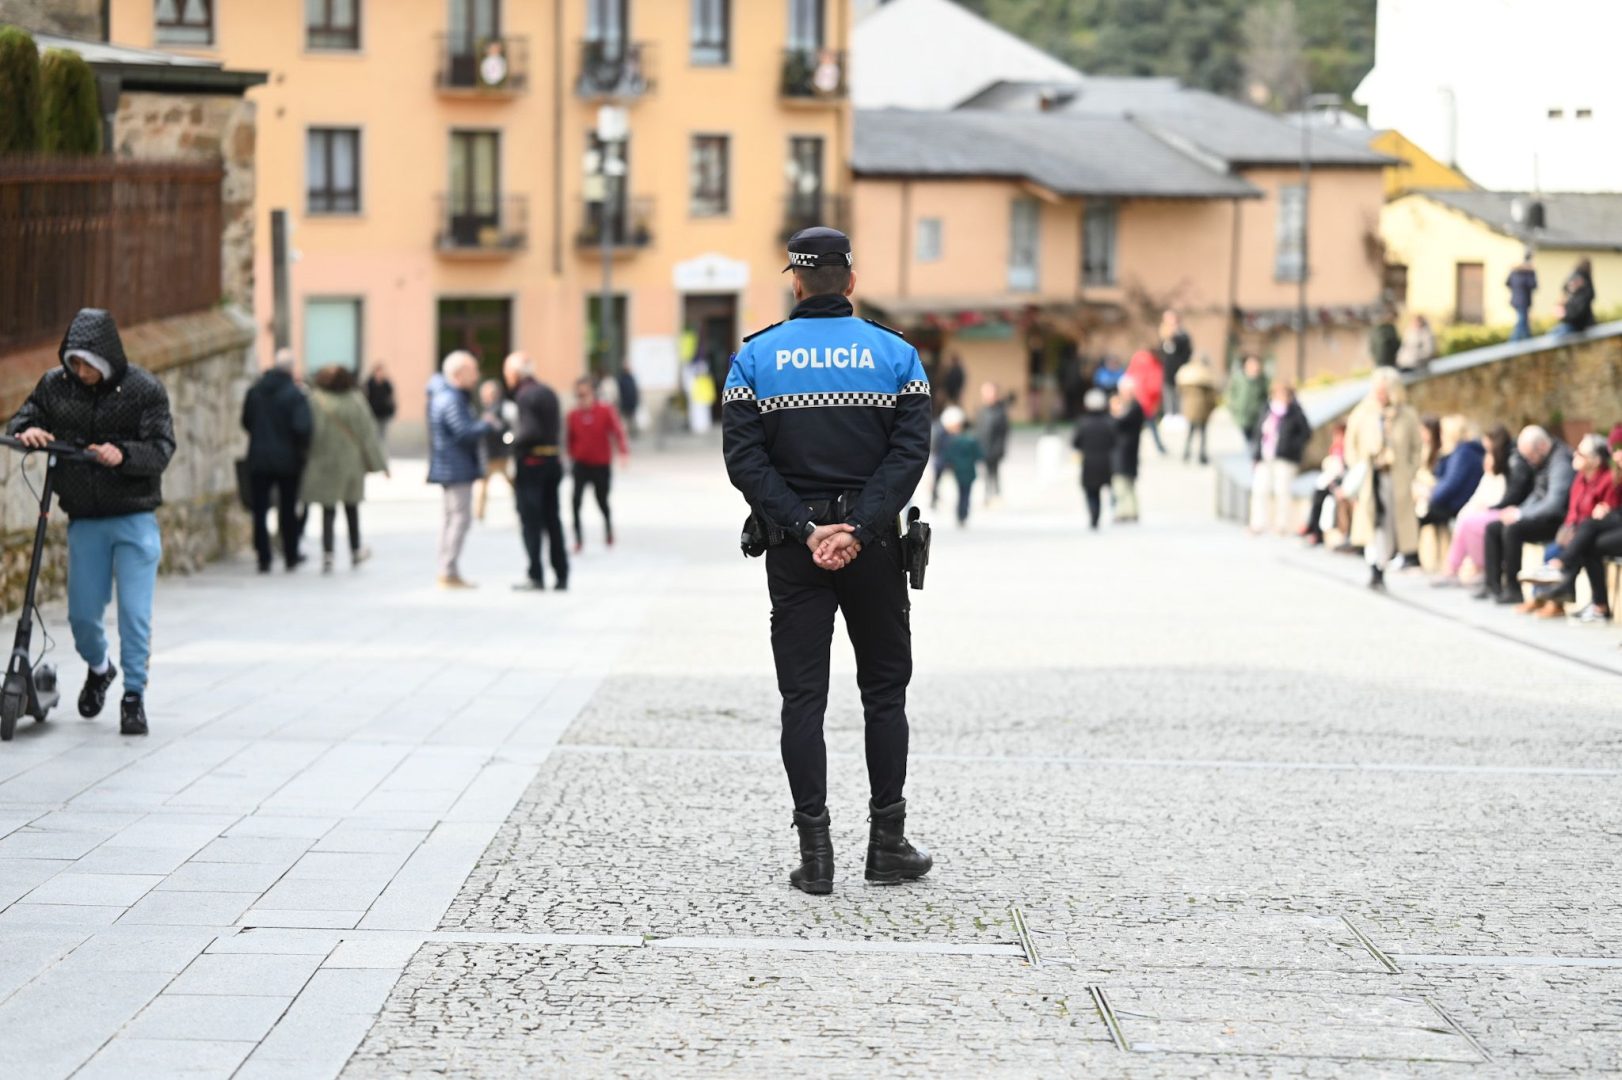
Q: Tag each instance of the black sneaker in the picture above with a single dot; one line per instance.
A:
(94, 694)
(132, 715)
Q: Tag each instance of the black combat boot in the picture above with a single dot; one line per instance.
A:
(94, 694)
(890, 858)
(816, 871)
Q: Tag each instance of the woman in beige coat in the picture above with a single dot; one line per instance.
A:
(1383, 442)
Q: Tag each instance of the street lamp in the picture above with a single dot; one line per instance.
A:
(608, 165)
(1308, 103)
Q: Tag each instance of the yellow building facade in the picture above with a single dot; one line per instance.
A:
(1457, 264)
(439, 164)
(1415, 170)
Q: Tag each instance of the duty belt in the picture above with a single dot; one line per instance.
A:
(830, 509)
(541, 451)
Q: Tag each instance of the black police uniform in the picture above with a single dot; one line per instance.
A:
(826, 420)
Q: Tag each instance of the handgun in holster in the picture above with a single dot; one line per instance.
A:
(915, 541)
(758, 535)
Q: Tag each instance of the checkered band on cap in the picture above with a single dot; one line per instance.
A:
(829, 258)
(865, 398)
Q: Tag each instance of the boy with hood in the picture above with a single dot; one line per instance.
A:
(120, 415)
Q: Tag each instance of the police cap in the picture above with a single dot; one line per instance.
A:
(818, 246)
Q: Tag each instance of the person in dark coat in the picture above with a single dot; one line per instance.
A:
(1384, 341)
(1577, 313)
(538, 449)
(1095, 440)
(1129, 420)
(954, 379)
(455, 432)
(379, 391)
(1458, 471)
(1276, 460)
(1176, 349)
(630, 399)
(991, 428)
(120, 414)
(1522, 283)
(276, 416)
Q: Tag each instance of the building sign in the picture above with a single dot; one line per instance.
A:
(711, 273)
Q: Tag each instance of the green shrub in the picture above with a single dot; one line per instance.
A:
(1462, 337)
(70, 116)
(19, 92)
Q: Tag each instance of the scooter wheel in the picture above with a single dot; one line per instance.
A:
(12, 704)
(8, 725)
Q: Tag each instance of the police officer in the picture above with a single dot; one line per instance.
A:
(826, 434)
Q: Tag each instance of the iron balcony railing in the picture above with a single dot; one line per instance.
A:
(802, 211)
(481, 223)
(615, 70)
(629, 224)
(814, 75)
(496, 66)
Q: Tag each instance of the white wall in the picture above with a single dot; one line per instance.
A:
(1473, 81)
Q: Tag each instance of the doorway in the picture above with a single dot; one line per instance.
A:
(482, 326)
(710, 322)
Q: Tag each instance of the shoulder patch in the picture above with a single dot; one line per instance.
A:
(891, 329)
(763, 329)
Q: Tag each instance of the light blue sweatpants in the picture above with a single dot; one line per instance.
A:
(101, 551)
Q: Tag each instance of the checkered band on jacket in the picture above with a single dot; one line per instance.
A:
(870, 399)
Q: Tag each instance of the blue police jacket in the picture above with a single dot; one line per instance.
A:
(823, 405)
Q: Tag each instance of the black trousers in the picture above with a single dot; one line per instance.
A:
(993, 480)
(598, 477)
(1591, 544)
(1503, 550)
(1188, 440)
(329, 526)
(288, 524)
(872, 594)
(537, 482)
(1095, 503)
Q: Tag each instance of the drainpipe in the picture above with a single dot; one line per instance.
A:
(1233, 289)
(557, 138)
(904, 262)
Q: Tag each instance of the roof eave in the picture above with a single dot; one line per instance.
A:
(161, 78)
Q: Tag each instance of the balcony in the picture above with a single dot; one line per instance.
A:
(481, 226)
(614, 70)
(814, 76)
(818, 208)
(498, 67)
(629, 226)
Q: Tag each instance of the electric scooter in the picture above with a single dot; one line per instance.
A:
(30, 688)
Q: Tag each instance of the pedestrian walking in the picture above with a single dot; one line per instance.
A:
(1577, 307)
(991, 428)
(1095, 440)
(1522, 283)
(594, 434)
(1176, 349)
(1418, 345)
(539, 475)
(1196, 385)
(954, 380)
(344, 447)
(1383, 449)
(497, 444)
(380, 398)
(454, 434)
(1247, 398)
(939, 442)
(1384, 341)
(1285, 432)
(1149, 379)
(833, 503)
(630, 399)
(120, 414)
(276, 416)
(1127, 410)
(963, 457)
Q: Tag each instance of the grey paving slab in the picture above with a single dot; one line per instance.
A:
(71, 887)
(224, 877)
(127, 1058)
(190, 908)
(275, 975)
(62, 915)
(218, 1017)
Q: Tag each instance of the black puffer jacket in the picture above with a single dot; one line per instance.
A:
(276, 415)
(129, 409)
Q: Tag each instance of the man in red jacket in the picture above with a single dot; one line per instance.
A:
(594, 433)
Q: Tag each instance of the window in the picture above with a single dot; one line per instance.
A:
(606, 23)
(1557, 114)
(1468, 281)
(1024, 222)
(1098, 243)
(472, 24)
(332, 333)
(805, 178)
(332, 24)
(1585, 114)
(1287, 258)
(709, 176)
(475, 203)
(185, 22)
(332, 171)
(598, 356)
(928, 244)
(805, 25)
(712, 31)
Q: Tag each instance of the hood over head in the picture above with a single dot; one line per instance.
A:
(94, 331)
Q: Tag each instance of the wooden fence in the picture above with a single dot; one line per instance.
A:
(139, 239)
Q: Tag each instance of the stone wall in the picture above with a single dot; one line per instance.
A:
(1578, 387)
(204, 363)
(202, 127)
(76, 18)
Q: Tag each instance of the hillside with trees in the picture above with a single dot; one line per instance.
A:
(1268, 49)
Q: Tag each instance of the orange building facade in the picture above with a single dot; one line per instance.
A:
(439, 166)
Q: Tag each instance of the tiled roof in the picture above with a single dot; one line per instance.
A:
(1573, 220)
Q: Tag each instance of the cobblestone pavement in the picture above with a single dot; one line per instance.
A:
(1198, 809)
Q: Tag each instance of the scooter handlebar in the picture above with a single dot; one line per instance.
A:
(64, 451)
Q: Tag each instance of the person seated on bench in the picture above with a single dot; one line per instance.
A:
(1592, 533)
(1458, 471)
(1534, 521)
(1505, 476)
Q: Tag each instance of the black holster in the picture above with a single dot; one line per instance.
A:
(915, 541)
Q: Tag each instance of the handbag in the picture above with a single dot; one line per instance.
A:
(1352, 482)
